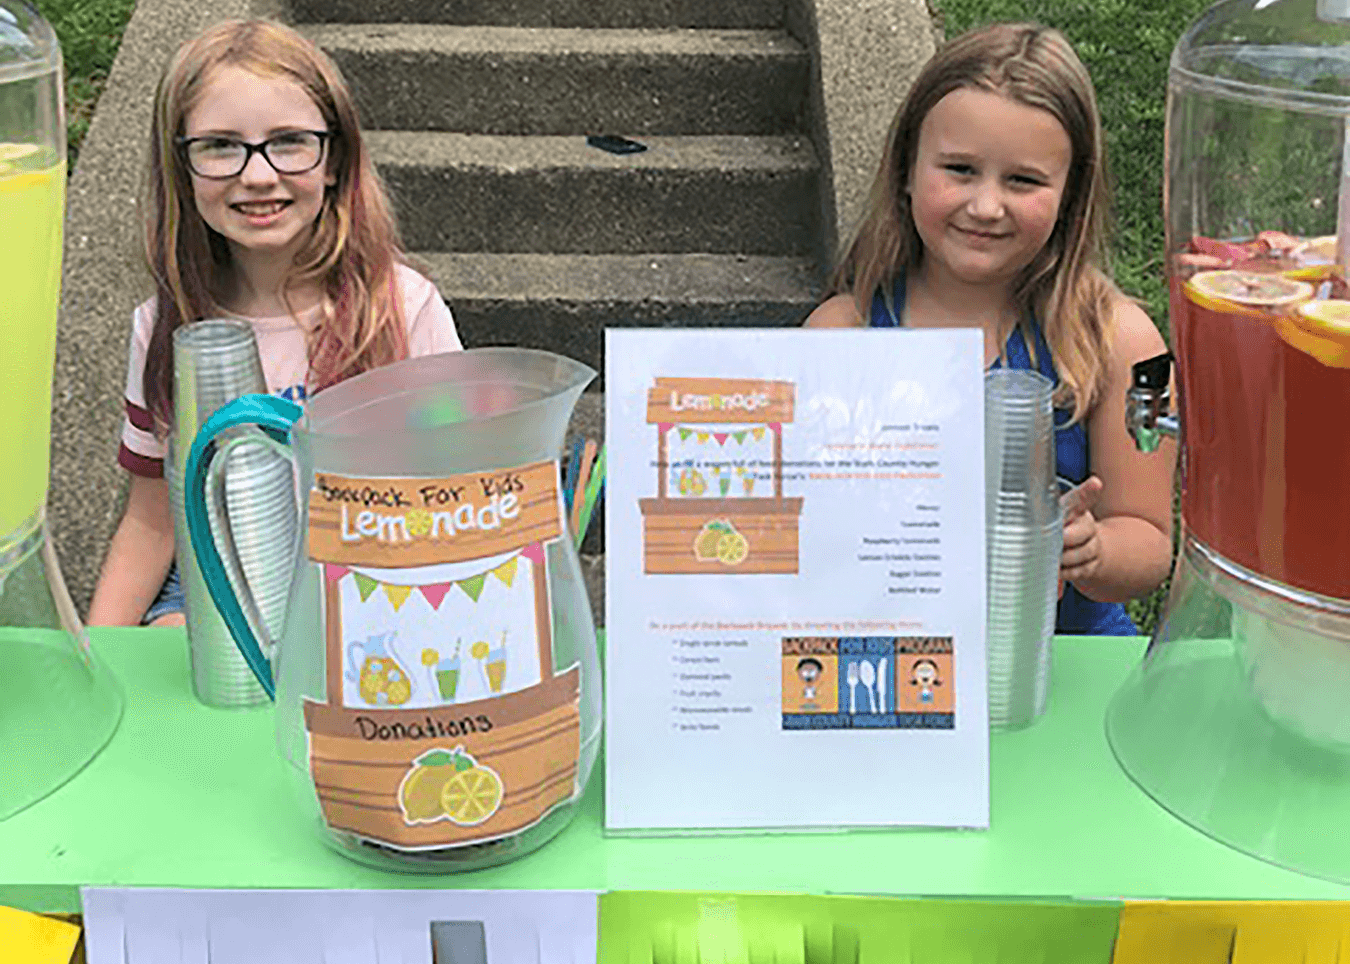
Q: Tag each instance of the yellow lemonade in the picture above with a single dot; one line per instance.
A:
(31, 206)
(496, 672)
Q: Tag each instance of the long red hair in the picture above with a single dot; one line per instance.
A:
(351, 254)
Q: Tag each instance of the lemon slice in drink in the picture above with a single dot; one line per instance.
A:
(1213, 289)
(1331, 317)
(11, 153)
(1321, 329)
(471, 796)
(14, 152)
(1316, 250)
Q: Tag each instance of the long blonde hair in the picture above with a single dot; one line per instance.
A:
(1065, 285)
(351, 254)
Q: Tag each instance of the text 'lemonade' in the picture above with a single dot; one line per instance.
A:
(31, 206)
(1265, 377)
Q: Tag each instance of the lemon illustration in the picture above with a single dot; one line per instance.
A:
(478, 650)
(418, 522)
(399, 691)
(372, 687)
(419, 795)
(732, 549)
(471, 795)
(706, 542)
(430, 657)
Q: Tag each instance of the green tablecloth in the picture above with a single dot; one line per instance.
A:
(187, 796)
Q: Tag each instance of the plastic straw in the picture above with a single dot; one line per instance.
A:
(570, 480)
(583, 478)
(597, 482)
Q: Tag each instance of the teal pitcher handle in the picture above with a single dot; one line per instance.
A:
(274, 416)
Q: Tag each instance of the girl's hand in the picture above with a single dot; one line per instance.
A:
(1082, 538)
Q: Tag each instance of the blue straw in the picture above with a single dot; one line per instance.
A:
(573, 466)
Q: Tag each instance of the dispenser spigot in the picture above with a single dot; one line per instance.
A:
(1148, 403)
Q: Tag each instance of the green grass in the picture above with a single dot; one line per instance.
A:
(90, 32)
(1126, 45)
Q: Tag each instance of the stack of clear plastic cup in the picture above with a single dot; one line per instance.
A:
(216, 362)
(1024, 527)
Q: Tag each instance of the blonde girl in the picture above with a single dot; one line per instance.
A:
(989, 210)
(262, 204)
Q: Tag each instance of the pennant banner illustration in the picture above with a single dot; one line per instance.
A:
(700, 436)
(364, 585)
(398, 595)
(473, 586)
(435, 593)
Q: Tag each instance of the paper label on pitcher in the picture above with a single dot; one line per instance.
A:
(447, 722)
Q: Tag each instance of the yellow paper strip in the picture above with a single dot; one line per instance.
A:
(1243, 932)
(33, 939)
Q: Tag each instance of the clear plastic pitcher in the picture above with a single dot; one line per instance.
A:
(437, 684)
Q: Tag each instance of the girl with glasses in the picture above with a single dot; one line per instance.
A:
(261, 204)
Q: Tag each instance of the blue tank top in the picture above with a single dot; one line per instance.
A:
(1077, 614)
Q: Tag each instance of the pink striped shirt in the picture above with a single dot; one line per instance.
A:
(281, 345)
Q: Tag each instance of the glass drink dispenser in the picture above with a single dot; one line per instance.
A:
(1238, 718)
(58, 704)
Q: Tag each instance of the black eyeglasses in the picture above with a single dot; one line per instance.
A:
(218, 158)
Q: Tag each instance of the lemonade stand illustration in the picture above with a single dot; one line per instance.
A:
(446, 721)
(719, 505)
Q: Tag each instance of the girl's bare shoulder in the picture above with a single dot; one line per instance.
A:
(1134, 336)
(837, 312)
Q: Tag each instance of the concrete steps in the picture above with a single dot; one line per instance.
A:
(547, 13)
(564, 302)
(716, 194)
(516, 80)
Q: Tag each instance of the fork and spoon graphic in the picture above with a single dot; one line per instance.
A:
(864, 672)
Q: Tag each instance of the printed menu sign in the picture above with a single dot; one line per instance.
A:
(795, 579)
(446, 721)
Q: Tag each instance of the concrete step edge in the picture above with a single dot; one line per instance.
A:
(634, 279)
(523, 154)
(458, 40)
(741, 14)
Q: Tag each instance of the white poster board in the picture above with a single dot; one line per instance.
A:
(795, 580)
